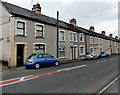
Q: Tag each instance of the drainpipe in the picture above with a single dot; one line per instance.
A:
(86, 43)
(57, 44)
(93, 44)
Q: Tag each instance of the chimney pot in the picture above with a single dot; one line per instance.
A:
(110, 35)
(92, 28)
(103, 32)
(36, 8)
(73, 21)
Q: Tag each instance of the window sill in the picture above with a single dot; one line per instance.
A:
(62, 57)
(40, 37)
(61, 41)
(20, 36)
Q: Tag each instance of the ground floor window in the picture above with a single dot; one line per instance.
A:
(62, 52)
(39, 48)
(91, 49)
(82, 50)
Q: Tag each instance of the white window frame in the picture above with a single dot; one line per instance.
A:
(70, 36)
(60, 35)
(91, 48)
(43, 29)
(64, 51)
(73, 36)
(81, 35)
(91, 40)
(83, 50)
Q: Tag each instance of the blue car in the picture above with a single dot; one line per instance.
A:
(104, 54)
(36, 60)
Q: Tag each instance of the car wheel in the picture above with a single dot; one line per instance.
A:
(94, 58)
(56, 63)
(37, 66)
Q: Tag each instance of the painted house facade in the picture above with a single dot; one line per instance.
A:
(25, 32)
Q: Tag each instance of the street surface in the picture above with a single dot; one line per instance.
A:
(89, 76)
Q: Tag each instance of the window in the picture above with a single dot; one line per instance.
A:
(62, 52)
(91, 49)
(39, 48)
(82, 50)
(20, 28)
(81, 37)
(70, 36)
(48, 56)
(40, 56)
(62, 36)
(75, 37)
(91, 40)
(39, 31)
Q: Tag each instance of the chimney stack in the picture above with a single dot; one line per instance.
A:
(110, 35)
(103, 32)
(92, 28)
(36, 8)
(73, 21)
(116, 37)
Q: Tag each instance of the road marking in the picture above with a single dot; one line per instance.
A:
(106, 87)
(25, 78)
(66, 69)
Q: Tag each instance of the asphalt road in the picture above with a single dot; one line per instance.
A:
(88, 76)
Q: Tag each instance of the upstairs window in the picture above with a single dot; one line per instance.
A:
(81, 37)
(20, 28)
(75, 37)
(62, 36)
(70, 36)
(39, 31)
(91, 40)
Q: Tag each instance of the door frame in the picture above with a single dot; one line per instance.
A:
(75, 51)
(25, 51)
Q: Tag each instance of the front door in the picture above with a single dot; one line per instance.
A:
(75, 52)
(20, 54)
(71, 53)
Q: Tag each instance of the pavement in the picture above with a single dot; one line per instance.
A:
(112, 89)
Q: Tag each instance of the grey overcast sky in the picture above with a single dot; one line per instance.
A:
(102, 14)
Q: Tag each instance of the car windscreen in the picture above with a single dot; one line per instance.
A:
(32, 56)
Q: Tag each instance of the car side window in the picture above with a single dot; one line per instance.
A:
(40, 56)
(48, 56)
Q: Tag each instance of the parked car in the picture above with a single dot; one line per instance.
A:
(104, 54)
(91, 55)
(37, 60)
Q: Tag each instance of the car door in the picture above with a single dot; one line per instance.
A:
(49, 59)
(40, 58)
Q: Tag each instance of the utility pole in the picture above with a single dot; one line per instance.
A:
(57, 34)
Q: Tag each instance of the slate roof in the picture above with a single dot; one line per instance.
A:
(28, 14)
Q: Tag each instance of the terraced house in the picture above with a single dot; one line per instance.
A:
(28, 31)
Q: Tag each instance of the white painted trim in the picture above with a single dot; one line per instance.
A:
(70, 37)
(83, 37)
(65, 51)
(64, 35)
(83, 49)
(73, 36)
